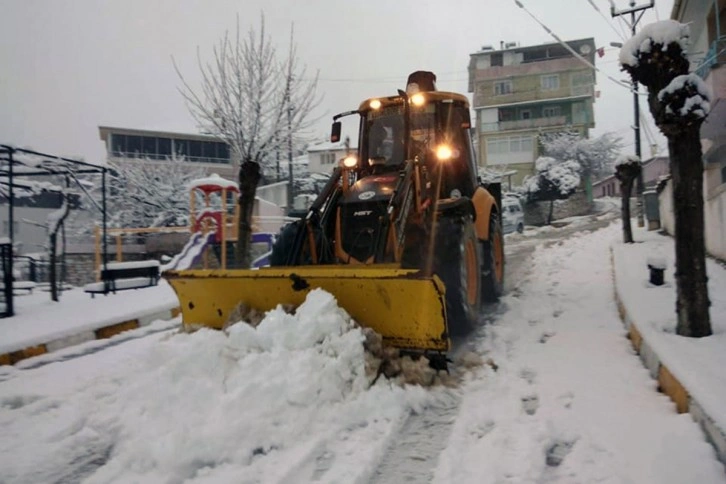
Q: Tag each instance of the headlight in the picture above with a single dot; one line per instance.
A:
(375, 104)
(350, 161)
(418, 99)
(444, 152)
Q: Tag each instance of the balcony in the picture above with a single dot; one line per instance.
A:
(522, 124)
(162, 157)
(716, 55)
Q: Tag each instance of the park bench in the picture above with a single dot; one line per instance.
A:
(119, 276)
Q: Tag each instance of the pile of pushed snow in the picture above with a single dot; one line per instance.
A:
(212, 406)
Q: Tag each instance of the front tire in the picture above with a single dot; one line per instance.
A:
(493, 267)
(284, 244)
(457, 263)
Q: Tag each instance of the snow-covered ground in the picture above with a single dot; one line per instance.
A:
(549, 391)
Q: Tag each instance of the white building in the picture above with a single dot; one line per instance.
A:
(323, 157)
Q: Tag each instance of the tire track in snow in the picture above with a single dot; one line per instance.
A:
(412, 454)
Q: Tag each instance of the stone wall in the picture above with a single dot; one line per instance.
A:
(535, 213)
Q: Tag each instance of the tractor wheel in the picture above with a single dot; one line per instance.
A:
(493, 268)
(284, 244)
(457, 263)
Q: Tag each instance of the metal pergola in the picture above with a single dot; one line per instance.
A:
(16, 162)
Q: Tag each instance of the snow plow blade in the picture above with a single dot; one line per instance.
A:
(405, 307)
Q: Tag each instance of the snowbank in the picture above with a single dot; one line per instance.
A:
(211, 406)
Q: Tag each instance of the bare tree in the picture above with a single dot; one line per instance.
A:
(627, 169)
(252, 98)
(656, 57)
(55, 222)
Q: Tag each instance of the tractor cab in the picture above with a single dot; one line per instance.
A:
(422, 124)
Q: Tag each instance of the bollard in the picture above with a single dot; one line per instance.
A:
(656, 266)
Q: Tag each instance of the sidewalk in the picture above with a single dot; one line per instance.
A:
(42, 326)
(691, 371)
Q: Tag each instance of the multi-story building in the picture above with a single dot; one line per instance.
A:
(324, 157)
(126, 145)
(520, 92)
(707, 53)
(198, 150)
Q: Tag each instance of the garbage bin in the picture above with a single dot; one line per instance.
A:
(652, 211)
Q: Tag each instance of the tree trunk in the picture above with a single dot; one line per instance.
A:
(692, 289)
(249, 178)
(551, 212)
(626, 187)
(52, 274)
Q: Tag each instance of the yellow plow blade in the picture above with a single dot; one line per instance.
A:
(406, 308)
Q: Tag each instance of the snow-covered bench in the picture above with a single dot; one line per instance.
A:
(118, 276)
(23, 286)
(20, 286)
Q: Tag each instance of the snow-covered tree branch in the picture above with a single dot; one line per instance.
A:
(148, 193)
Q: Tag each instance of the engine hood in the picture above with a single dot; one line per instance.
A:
(373, 188)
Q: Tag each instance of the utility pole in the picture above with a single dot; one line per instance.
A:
(636, 13)
(289, 153)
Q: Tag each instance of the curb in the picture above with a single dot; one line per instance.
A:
(667, 383)
(102, 332)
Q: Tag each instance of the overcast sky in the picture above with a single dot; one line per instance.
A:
(68, 67)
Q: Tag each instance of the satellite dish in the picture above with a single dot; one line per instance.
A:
(585, 49)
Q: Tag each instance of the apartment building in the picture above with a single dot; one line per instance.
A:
(707, 54)
(520, 92)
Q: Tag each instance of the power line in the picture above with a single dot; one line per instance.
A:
(606, 19)
(567, 46)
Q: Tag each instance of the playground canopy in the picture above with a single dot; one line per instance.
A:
(20, 162)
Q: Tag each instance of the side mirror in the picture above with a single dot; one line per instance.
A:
(335, 134)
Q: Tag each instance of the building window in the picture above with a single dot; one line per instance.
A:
(223, 151)
(525, 114)
(153, 148)
(181, 147)
(506, 115)
(502, 87)
(134, 146)
(164, 148)
(195, 149)
(149, 147)
(118, 145)
(551, 111)
(550, 82)
(509, 144)
(497, 60)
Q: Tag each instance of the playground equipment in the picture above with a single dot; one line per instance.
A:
(213, 226)
(218, 221)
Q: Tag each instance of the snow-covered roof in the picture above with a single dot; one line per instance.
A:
(328, 146)
(213, 182)
(664, 32)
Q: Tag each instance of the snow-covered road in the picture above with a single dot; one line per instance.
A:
(558, 396)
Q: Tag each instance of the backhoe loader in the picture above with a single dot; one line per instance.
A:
(404, 235)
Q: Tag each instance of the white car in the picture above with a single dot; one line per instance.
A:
(512, 215)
